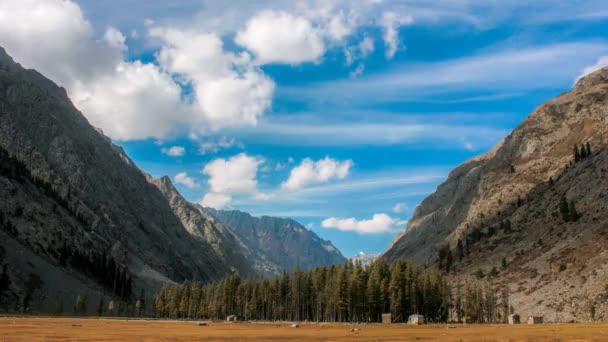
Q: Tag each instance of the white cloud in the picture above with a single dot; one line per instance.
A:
(215, 200)
(379, 223)
(131, 99)
(496, 72)
(390, 22)
(174, 151)
(601, 62)
(185, 180)
(281, 37)
(128, 100)
(229, 90)
(222, 143)
(321, 171)
(366, 46)
(339, 27)
(115, 39)
(236, 175)
(388, 132)
(359, 51)
(399, 208)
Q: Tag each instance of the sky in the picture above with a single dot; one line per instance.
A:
(343, 115)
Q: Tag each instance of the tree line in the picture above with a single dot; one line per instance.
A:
(338, 293)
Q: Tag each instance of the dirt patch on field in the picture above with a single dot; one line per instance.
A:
(71, 329)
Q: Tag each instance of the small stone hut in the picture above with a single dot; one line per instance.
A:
(415, 319)
(514, 319)
(232, 318)
(535, 319)
(387, 318)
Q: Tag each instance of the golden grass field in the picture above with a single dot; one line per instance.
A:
(72, 329)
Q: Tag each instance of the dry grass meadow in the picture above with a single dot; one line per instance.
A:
(72, 329)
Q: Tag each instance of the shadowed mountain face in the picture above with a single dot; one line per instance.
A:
(280, 244)
(78, 217)
(507, 212)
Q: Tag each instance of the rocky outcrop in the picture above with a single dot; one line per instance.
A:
(278, 243)
(505, 204)
(224, 244)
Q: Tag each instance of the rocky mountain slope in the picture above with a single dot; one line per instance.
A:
(279, 244)
(506, 217)
(78, 217)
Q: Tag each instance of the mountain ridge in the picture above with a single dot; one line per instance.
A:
(508, 200)
(283, 242)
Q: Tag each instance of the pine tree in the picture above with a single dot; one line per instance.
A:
(505, 302)
(80, 306)
(100, 306)
(588, 149)
(140, 305)
(5, 280)
(460, 250)
(583, 152)
(576, 153)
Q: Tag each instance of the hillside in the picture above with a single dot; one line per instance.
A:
(78, 216)
(279, 244)
(508, 204)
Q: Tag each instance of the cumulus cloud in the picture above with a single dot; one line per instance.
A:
(339, 26)
(229, 90)
(185, 180)
(399, 208)
(390, 22)
(281, 37)
(379, 223)
(236, 175)
(321, 171)
(174, 151)
(128, 100)
(215, 200)
(131, 99)
(601, 62)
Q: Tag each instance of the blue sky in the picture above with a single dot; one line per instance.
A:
(341, 115)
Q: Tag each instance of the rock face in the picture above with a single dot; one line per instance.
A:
(279, 244)
(203, 227)
(505, 204)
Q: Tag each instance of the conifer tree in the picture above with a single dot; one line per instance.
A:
(576, 153)
(583, 152)
(100, 306)
(588, 149)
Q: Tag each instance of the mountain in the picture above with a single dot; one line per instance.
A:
(529, 215)
(278, 243)
(78, 217)
(364, 259)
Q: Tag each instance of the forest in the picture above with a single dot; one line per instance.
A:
(338, 293)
